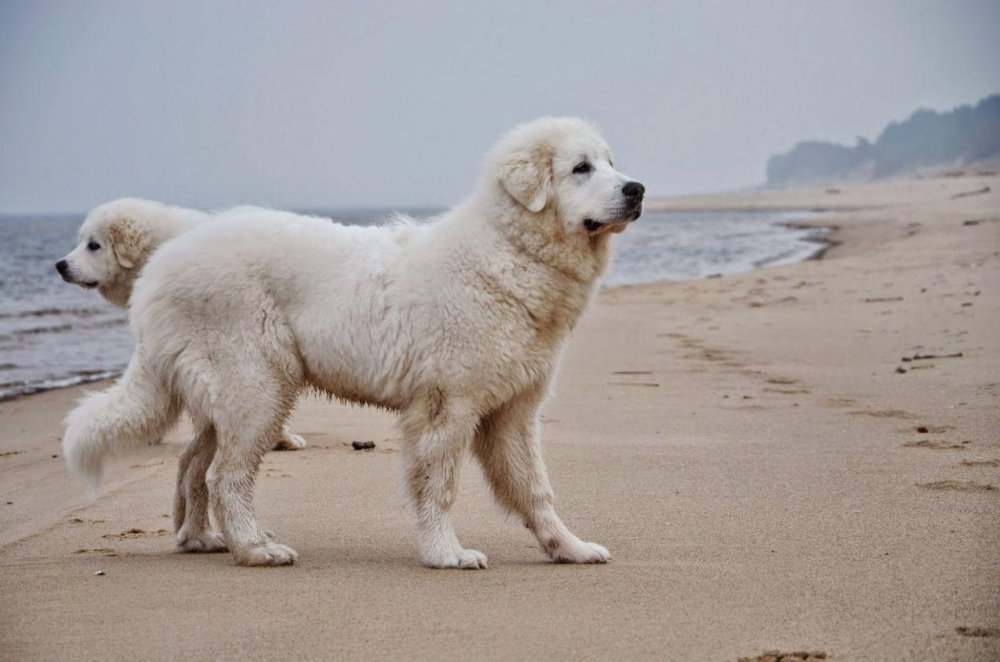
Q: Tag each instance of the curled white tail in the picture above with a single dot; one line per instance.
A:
(137, 410)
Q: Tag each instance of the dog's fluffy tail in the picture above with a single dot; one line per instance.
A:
(137, 410)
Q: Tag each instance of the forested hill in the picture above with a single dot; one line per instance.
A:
(963, 135)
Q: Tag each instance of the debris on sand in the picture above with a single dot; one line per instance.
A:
(362, 445)
(100, 573)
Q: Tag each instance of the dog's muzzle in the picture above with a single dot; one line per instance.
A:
(633, 193)
(62, 266)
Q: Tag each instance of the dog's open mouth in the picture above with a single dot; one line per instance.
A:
(617, 225)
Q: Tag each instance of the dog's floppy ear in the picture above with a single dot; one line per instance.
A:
(127, 241)
(527, 177)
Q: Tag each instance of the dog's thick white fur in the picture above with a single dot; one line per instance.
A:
(115, 242)
(457, 324)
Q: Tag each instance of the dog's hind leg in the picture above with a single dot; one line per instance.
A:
(192, 526)
(437, 433)
(247, 421)
(507, 444)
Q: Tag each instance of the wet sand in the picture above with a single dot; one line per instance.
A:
(801, 458)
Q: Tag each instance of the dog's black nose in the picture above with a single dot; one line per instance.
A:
(61, 267)
(633, 190)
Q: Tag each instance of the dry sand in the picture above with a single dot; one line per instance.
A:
(764, 476)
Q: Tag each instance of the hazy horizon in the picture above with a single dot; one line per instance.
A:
(357, 105)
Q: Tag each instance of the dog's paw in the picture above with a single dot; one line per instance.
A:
(467, 559)
(267, 553)
(290, 442)
(204, 543)
(580, 552)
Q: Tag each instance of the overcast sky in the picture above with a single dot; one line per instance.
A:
(348, 104)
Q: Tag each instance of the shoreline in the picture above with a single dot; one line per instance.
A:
(769, 465)
(827, 241)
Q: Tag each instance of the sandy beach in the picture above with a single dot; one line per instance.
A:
(800, 458)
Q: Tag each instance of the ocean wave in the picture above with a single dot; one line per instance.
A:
(50, 311)
(16, 389)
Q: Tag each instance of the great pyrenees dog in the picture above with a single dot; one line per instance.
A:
(117, 239)
(115, 242)
(458, 324)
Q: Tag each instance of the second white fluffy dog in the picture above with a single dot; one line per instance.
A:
(457, 324)
(116, 241)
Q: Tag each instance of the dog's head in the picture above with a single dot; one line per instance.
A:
(564, 165)
(114, 244)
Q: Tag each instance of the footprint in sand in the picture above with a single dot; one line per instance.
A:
(132, 534)
(977, 632)
(882, 413)
(958, 486)
(780, 656)
(981, 463)
(106, 551)
(841, 402)
(934, 445)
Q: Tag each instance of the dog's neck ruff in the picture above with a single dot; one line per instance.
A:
(542, 238)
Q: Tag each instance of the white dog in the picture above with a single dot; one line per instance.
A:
(457, 324)
(115, 242)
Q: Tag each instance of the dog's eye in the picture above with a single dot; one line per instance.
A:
(582, 168)
(93, 246)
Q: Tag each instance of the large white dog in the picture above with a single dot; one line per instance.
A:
(458, 324)
(115, 242)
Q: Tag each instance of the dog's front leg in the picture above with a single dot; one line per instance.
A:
(508, 446)
(437, 433)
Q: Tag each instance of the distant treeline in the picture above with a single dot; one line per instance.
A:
(963, 135)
